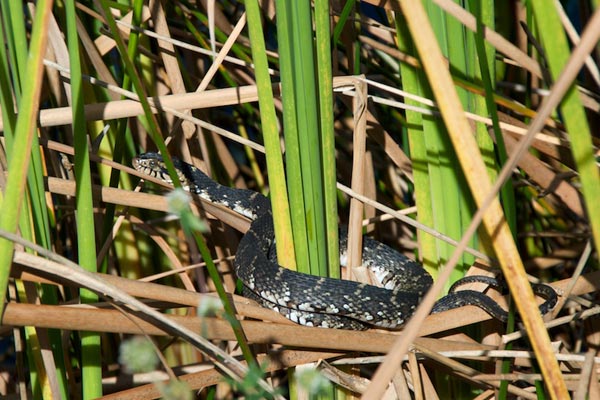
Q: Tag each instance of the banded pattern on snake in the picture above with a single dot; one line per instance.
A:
(325, 302)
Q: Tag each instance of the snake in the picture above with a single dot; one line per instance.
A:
(400, 283)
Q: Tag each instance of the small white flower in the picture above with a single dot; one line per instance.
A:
(178, 201)
(209, 306)
(311, 380)
(137, 355)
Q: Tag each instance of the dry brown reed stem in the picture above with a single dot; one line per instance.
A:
(413, 368)
(130, 108)
(274, 361)
(359, 144)
(167, 52)
(354, 383)
(174, 296)
(188, 128)
(583, 260)
(101, 69)
(231, 39)
(146, 201)
(385, 140)
(108, 320)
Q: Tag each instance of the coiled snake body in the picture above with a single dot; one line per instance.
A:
(317, 301)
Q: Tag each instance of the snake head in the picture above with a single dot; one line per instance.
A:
(149, 161)
(152, 164)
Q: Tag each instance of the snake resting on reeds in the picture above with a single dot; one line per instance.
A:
(318, 301)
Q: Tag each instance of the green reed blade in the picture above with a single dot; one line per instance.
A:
(327, 134)
(572, 112)
(91, 368)
(293, 169)
(279, 197)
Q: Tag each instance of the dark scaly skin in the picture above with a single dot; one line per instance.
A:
(317, 301)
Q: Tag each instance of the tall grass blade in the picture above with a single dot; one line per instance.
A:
(10, 205)
(293, 169)
(327, 135)
(91, 368)
(279, 197)
(572, 111)
(310, 185)
(484, 70)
